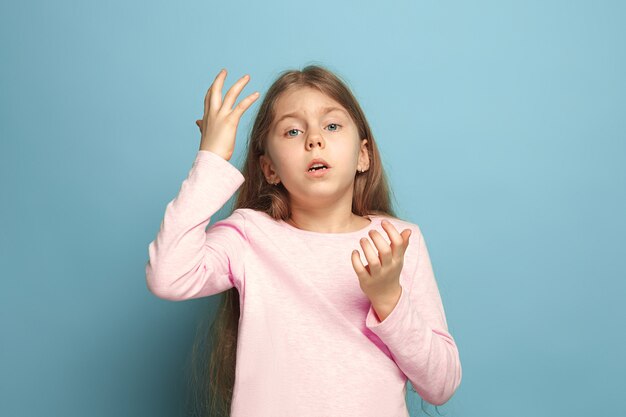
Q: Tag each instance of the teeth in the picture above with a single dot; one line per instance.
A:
(317, 166)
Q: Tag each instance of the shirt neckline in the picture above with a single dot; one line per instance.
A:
(374, 220)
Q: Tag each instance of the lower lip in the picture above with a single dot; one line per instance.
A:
(318, 172)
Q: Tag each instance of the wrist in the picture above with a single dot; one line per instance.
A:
(383, 306)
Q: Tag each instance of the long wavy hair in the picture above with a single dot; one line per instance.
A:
(212, 380)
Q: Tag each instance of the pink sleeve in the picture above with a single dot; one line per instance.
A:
(186, 260)
(416, 333)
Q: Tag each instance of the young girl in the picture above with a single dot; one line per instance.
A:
(314, 329)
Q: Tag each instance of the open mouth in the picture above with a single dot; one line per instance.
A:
(318, 168)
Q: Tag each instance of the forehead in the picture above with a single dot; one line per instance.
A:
(305, 101)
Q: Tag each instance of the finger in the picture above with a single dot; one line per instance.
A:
(244, 104)
(357, 264)
(207, 96)
(398, 244)
(215, 97)
(233, 93)
(384, 250)
(370, 255)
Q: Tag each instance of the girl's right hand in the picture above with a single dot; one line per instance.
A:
(218, 127)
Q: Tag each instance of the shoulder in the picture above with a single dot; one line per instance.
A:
(235, 222)
(242, 214)
(249, 214)
(253, 219)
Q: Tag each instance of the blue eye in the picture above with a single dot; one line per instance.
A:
(297, 130)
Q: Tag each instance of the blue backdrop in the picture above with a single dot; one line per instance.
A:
(501, 125)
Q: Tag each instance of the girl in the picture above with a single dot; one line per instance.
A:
(313, 330)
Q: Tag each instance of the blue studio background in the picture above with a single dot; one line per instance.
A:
(501, 125)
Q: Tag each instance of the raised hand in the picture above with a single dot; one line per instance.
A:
(218, 127)
(380, 279)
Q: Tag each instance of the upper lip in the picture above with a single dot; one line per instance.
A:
(317, 161)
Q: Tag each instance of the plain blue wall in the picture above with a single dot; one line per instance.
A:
(501, 125)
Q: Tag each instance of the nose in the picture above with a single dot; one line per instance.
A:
(315, 139)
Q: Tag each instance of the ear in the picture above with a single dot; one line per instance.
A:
(268, 169)
(364, 156)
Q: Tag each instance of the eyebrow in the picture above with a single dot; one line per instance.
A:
(322, 110)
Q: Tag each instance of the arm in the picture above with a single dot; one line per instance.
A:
(185, 260)
(416, 333)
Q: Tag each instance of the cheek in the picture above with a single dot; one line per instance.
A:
(285, 161)
(356, 153)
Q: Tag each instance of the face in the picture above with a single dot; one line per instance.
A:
(308, 125)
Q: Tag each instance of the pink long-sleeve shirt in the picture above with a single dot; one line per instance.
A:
(310, 342)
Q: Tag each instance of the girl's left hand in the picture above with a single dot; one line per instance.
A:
(380, 279)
